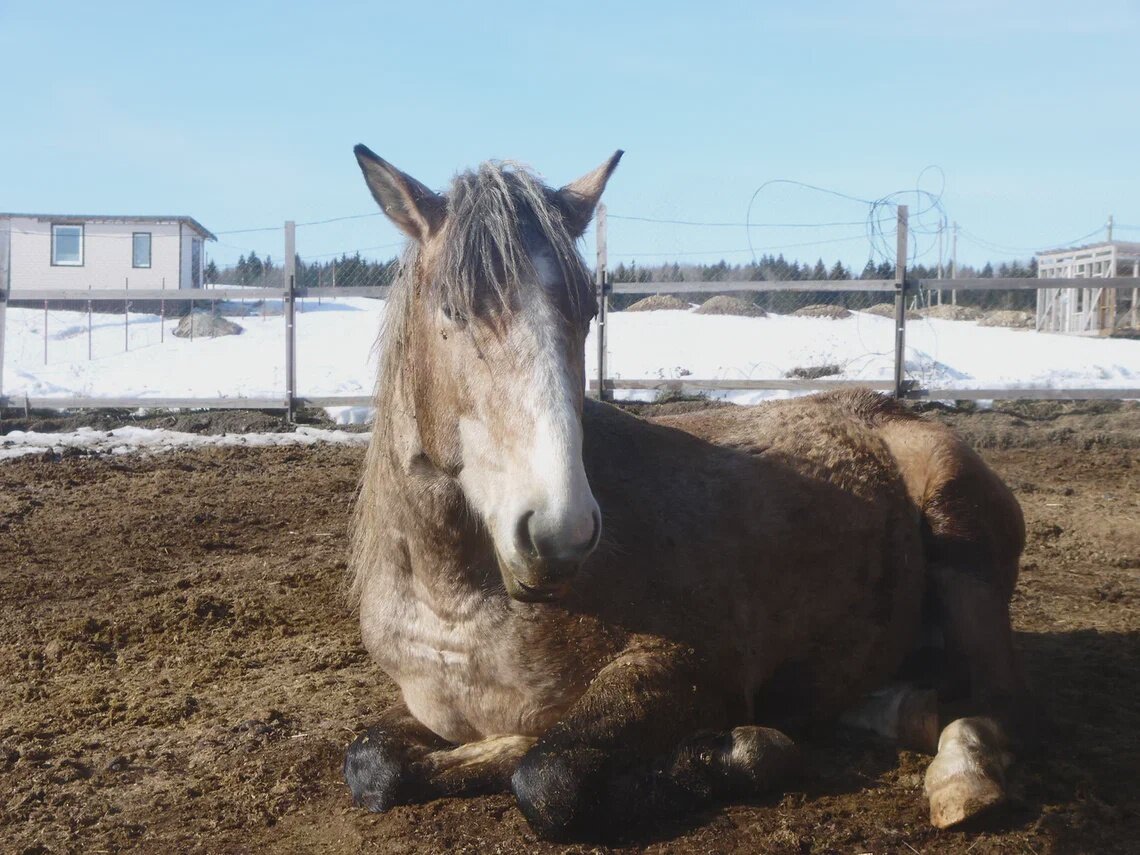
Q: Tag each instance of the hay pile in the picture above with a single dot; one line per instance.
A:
(822, 310)
(946, 312)
(658, 303)
(723, 305)
(205, 324)
(887, 310)
(1016, 318)
(813, 372)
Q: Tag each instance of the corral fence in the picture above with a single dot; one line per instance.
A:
(901, 290)
(288, 292)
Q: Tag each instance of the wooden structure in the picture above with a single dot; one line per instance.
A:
(1086, 311)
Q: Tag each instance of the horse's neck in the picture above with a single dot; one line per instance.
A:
(422, 509)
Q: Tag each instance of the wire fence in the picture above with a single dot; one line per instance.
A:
(299, 330)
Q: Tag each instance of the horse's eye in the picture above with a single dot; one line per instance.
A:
(454, 316)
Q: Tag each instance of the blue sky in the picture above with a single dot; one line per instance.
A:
(244, 114)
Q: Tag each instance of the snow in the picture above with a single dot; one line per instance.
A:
(137, 356)
(939, 353)
(125, 440)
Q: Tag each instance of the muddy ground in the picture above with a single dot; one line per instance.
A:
(181, 671)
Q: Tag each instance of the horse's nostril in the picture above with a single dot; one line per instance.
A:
(523, 540)
(554, 545)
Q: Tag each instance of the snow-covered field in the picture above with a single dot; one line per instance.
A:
(335, 353)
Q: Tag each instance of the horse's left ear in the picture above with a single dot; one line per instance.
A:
(416, 210)
(578, 199)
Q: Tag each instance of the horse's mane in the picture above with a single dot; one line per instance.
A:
(494, 213)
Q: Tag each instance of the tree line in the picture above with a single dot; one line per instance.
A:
(354, 270)
(346, 271)
(775, 268)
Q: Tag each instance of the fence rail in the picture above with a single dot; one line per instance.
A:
(871, 285)
(901, 286)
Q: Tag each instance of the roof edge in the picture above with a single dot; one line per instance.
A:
(121, 218)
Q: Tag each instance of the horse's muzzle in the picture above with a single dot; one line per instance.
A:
(548, 562)
(524, 593)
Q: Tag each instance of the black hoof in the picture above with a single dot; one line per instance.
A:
(560, 794)
(375, 772)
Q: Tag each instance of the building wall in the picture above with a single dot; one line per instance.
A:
(107, 255)
(5, 243)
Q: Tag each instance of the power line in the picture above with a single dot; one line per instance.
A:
(737, 251)
(996, 247)
(735, 225)
(299, 225)
(347, 251)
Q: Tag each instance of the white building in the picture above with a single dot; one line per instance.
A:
(1092, 310)
(68, 251)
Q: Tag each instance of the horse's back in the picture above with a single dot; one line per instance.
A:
(969, 516)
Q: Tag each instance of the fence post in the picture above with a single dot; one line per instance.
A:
(3, 320)
(1135, 294)
(900, 303)
(602, 281)
(290, 318)
(5, 285)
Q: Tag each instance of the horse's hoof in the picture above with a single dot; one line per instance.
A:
(760, 758)
(961, 798)
(560, 792)
(373, 772)
(967, 777)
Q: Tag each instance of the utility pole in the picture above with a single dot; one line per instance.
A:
(602, 281)
(1110, 228)
(954, 263)
(941, 223)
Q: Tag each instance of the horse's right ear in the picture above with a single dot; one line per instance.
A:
(578, 199)
(417, 211)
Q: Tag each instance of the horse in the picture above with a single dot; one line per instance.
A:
(621, 618)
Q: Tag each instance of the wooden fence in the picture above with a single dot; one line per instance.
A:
(901, 287)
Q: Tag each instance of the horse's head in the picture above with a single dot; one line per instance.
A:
(493, 310)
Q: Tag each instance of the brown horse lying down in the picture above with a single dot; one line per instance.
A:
(609, 615)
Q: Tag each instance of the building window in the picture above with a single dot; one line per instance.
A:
(140, 249)
(67, 246)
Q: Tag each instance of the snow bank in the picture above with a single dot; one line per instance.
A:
(126, 440)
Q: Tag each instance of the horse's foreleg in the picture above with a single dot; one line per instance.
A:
(968, 773)
(399, 761)
(476, 768)
(901, 712)
(640, 744)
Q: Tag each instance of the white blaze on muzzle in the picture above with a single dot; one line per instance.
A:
(522, 457)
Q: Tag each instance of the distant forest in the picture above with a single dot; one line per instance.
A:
(353, 270)
(346, 271)
(775, 268)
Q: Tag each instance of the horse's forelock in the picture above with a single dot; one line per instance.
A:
(483, 255)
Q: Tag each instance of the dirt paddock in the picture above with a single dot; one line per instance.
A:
(181, 671)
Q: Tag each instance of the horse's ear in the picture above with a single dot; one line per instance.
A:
(578, 199)
(416, 210)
